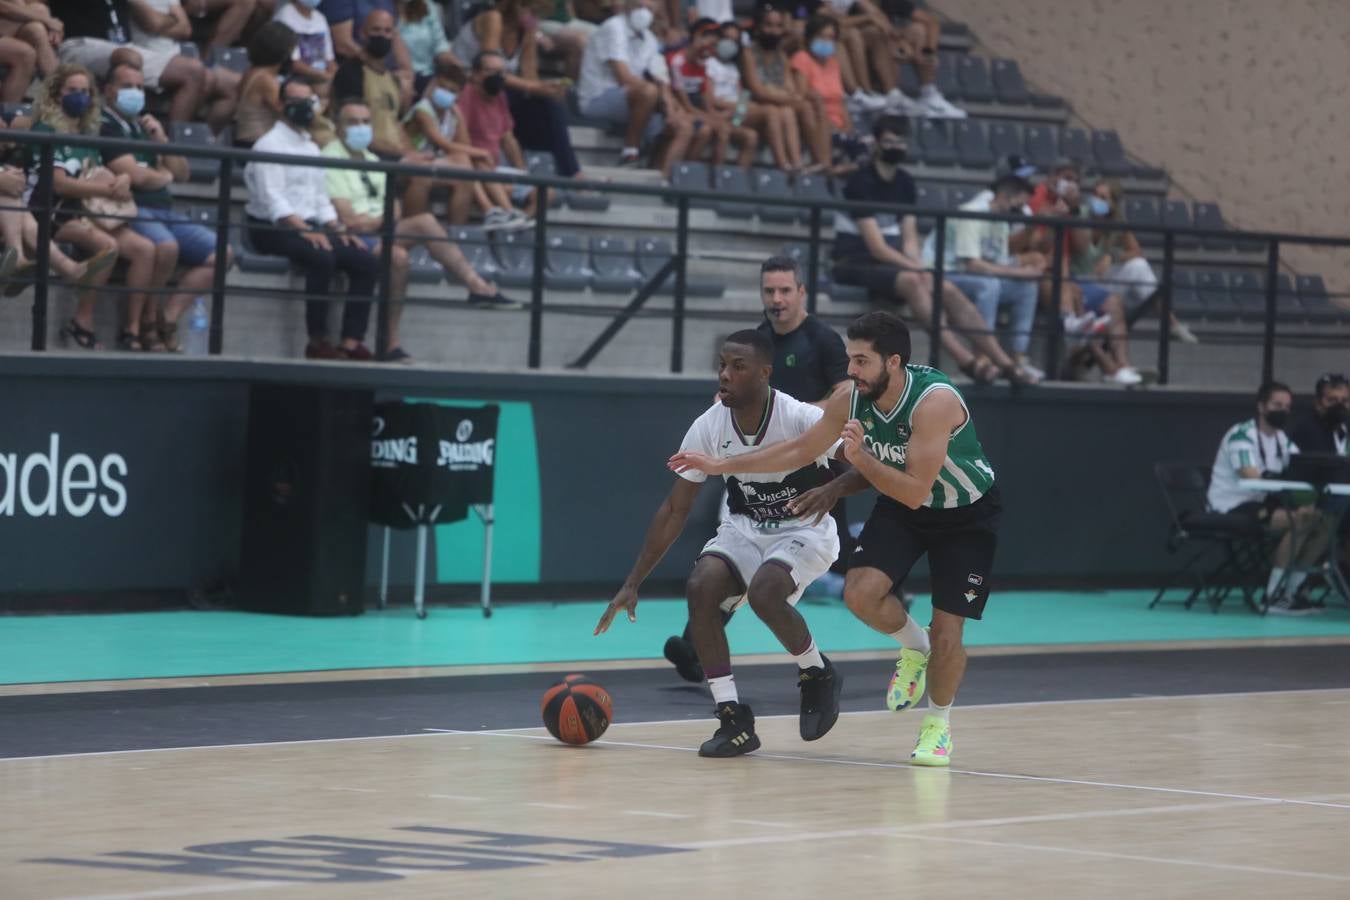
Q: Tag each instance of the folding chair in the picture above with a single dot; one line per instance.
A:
(1231, 550)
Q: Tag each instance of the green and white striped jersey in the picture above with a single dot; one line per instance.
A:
(1244, 446)
(965, 476)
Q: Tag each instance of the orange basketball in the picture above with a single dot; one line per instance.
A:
(576, 710)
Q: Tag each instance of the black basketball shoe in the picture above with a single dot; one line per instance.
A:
(680, 652)
(736, 734)
(820, 689)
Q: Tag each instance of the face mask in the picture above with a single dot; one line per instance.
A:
(359, 136)
(1336, 415)
(769, 41)
(1063, 186)
(1098, 206)
(442, 99)
(379, 46)
(131, 100)
(312, 4)
(640, 18)
(1276, 418)
(493, 84)
(299, 112)
(891, 156)
(727, 49)
(822, 49)
(75, 105)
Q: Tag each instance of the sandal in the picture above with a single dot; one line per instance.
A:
(168, 337)
(129, 342)
(151, 341)
(82, 337)
(21, 280)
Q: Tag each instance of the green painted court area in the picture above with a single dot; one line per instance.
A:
(165, 644)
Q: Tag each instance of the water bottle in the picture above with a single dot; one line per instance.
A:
(198, 341)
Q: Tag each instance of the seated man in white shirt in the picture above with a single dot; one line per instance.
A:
(1259, 447)
(291, 215)
(625, 80)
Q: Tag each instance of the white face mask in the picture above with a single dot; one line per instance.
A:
(640, 18)
(1063, 186)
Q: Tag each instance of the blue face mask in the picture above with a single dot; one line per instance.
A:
(1098, 206)
(442, 98)
(131, 100)
(822, 49)
(312, 4)
(75, 105)
(359, 136)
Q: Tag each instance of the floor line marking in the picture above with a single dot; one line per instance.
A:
(352, 790)
(453, 797)
(762, 824)
(555, 805)
(185, 891)
(428, 733)
(656, 815)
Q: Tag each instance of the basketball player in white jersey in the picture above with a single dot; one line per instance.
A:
(761, 554)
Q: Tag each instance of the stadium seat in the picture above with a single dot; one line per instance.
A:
(936, 142)
(1207, 215)
(959, 194)
(774, 183)
(733, 180)
(1186, 303)
(612, 263)
(190, 50)
(948, 77)
(972, 145)
(1073, 143)
(799, 253)
(198, 134)
(976, 87)
(652, 254)
(692, 176)
(1144, 211)
(422, 269)
(1046, 101)
(233, 58)
(541, 164)
(476, 246)
(1212, 289)
(1176, 214)
(1040, 146)
(1248, 294)
(929, 196)
(250, 260)
(1287, 304)
(587, 201)
(812, 188)
(1009, 86)
(1005, 139)
(515, 255)
(567, 268)
(1317, 305)
(1110, 154)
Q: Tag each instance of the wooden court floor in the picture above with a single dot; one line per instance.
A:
(1236, 795)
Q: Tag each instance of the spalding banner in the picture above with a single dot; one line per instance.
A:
(430, 463)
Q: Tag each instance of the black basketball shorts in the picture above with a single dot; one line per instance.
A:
(960, 544)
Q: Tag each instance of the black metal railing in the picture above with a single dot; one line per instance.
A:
(676, 267)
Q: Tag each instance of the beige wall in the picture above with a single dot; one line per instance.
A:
(1245, 102)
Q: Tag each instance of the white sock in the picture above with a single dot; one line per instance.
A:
(942, 712)
(724, 689)
(1276, 573)
(1296, 579)
(808, 658)
(927, 91)
(912, 637)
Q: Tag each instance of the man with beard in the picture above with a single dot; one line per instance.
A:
(906, 430)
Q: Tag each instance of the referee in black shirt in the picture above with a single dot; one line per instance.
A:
(809, 364)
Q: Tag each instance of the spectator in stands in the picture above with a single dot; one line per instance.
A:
(691, 91)
(157, 27)
(1324, 429)
(368, 76)
(270, 53)
(314, 58)
(66, 103)
(347, 19)
(980, 263)
(177, 239)
(625, 80)
(766, 73)
(915, 34)
(435, 127)
(1259, 448)
(423, 33)
(862, 38)
(537, 107)
(881, 252)
(488, 122)
(290, 214)
(1114, 259)
(729, 98)
(232, 17)
(817, 72)
(563, 33)
(27, 22)
(359, 198)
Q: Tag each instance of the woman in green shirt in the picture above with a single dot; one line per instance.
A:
(67, 103)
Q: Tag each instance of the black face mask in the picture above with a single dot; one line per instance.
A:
(891, 156)
(769, 41)
(1276, 418)
(1336, 415)
(379, 46)
(493, 84)
(299, 113)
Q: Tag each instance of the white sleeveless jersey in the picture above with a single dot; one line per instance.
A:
(762, 498)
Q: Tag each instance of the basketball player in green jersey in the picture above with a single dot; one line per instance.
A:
(907, 432)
